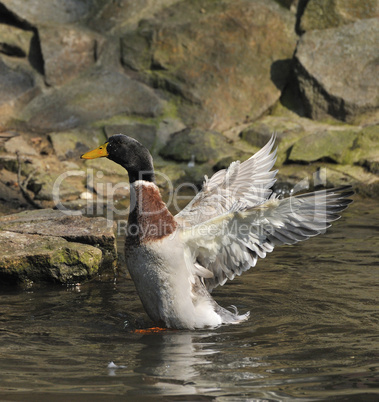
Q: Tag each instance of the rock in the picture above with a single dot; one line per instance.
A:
(146, 134)
(292, 178)
(131, 54)
(288, 131)
(10, 194)
(53, 12)
(364, 183)
(14, 41)
(260, 132)
(123, 15)
(55, 186)
(204, 145)
(167, 127)
(98, 94)
(28, 163)
(326, 145)
(322, 14)
(227, 60)
(327, 63)
(25, 258)
(16, 89)
(366, 149)
(96, 232)
(74, 143)
(67, 51)
(304, 140)
(18, 144)
(371, 163)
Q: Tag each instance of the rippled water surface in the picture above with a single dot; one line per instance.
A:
(313, 333)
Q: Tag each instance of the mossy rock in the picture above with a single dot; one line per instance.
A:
(334, 146)
(26, 257)
(366, 149)
(96, 232)
(323, 14)
(202, 146)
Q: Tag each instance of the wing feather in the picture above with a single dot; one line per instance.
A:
(230, 244)
(248, 183)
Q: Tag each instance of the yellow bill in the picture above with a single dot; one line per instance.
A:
(96, 153)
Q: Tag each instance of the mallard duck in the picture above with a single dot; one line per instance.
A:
(176, 261)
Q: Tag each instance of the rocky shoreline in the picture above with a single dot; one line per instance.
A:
(200, 83)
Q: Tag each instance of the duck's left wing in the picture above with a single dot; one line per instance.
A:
(247, 183)
(230, 244)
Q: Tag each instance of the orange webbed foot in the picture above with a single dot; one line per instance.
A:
(152, 330)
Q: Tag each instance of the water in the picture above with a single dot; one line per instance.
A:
(313, 333)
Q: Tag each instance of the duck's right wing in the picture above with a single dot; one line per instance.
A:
(248, 183)
(228, 245)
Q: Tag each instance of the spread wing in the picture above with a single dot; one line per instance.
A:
(230, 244)
(246, 183)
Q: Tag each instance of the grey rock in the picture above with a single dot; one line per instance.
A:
(99, 94)
(37, 12)
(203, 145)
(96, 232)
(322, 14)
(16, 89)
(28, 163)
(18, 144)
(35, 258)
(10, 194)
(135, 50)
(67, 50)
(337, 70)
(167, 127)
(119, 16)
(225, 67)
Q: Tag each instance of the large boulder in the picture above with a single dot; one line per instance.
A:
(196, 145)
(325, 145)
(67, 51)
(305, 141)
(337, 70)
(37, 12)
(227, 60)
(17, 87)
(34, 258)
(54, 245)
(118, 17)
(322, 14)
(100, 93)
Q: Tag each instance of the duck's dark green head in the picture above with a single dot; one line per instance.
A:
(129, 153)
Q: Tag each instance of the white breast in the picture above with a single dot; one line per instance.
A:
(164, 282)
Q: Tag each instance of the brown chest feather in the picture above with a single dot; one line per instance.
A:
(149, 218)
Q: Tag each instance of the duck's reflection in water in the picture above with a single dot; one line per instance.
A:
(175, 359)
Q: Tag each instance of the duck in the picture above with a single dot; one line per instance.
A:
(176, 261)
